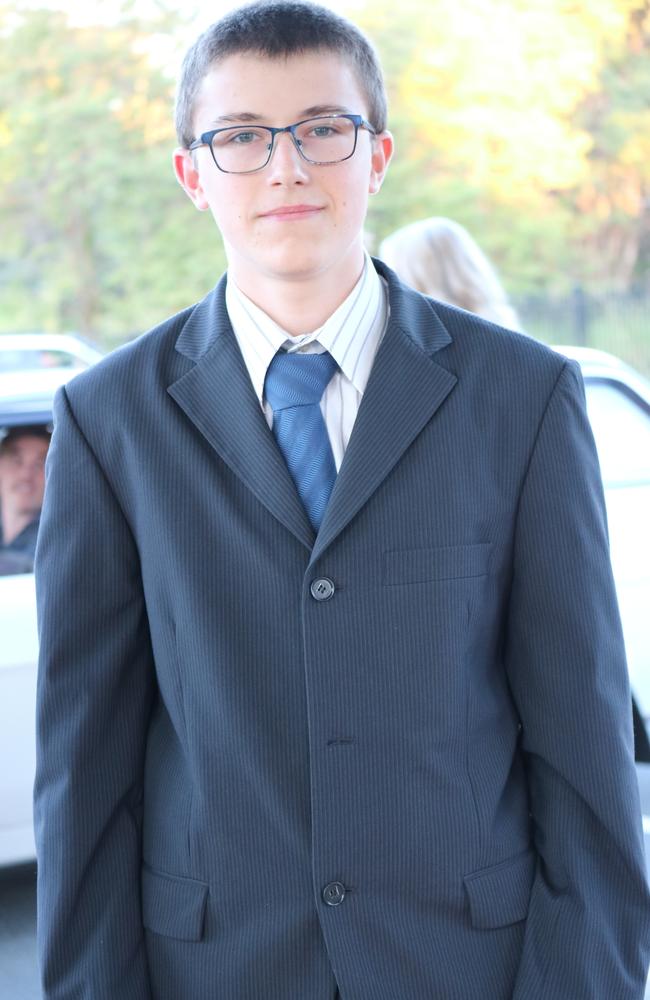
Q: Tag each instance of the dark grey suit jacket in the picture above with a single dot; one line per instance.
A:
(421, 787)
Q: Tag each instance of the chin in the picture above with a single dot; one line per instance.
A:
(297, 266)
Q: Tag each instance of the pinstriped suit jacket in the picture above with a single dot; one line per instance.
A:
(446, 739)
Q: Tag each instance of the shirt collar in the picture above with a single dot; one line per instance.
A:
(351, 334)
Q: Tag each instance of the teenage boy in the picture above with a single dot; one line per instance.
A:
(333, 692)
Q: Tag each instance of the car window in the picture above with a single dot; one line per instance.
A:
(621, 426)
(31, 359)
(14, 360)
(59, 359)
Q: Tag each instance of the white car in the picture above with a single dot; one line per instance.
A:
(618, 400)
(28, 403)
(40, 351)
(618, 403)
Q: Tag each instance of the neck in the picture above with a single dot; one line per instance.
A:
(13, 522)
(299, 304)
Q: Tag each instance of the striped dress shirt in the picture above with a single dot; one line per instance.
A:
(352, 335)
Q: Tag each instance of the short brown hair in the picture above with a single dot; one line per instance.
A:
(275, 29)
(10, 434)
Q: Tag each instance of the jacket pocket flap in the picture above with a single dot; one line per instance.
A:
(500, 895)
(452, 563)
(172, 905)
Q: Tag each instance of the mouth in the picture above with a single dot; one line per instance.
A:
(292, 212)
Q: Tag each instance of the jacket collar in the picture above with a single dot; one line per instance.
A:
(405, 388)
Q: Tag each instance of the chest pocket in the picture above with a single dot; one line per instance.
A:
(455, 562)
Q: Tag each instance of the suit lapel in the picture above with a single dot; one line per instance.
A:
(219, 399)
(405, 388)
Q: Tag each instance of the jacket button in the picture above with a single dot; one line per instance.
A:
(322, 590)
(334, 893)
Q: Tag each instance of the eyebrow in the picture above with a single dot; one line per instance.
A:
(313, 112)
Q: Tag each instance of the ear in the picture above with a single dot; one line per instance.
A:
(187, 175)
(382, 151)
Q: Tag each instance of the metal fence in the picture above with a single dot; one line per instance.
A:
(614, 322)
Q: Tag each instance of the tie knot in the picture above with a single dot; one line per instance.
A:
(297, 379)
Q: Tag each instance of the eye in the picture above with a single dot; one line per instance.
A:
(324, 131)
(244, 138)
(239, 137)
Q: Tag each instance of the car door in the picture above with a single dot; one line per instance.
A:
(620, 419)
(18, 658)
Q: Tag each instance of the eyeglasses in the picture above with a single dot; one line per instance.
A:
(243, 149)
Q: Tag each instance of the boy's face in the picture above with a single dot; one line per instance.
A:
(325, 237)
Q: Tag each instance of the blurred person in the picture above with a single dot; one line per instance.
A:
(332, 694)
(22, 481)
(438, 257)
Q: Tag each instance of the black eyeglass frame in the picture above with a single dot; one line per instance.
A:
(205, 139)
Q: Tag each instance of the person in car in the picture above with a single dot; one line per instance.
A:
(22, 482)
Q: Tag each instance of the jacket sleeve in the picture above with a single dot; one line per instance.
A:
(94, 695)
(588, 927)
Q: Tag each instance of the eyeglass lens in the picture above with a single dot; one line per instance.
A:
(322, 140)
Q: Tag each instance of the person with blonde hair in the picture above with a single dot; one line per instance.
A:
(438, 256)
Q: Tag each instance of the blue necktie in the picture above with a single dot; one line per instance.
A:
(294, 386)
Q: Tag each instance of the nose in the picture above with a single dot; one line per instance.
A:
(287, 166)
(29, 471)
(26, 479)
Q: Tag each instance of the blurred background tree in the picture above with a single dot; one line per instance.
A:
(97, 235)
(526, 120)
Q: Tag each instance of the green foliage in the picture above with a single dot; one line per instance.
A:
(98, 228)
(529, 123)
